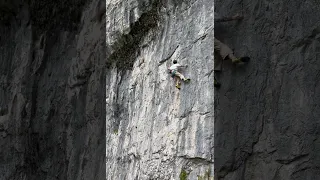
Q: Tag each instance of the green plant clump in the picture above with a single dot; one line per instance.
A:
(115, 131)
(183, 175)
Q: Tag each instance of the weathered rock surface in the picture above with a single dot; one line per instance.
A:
(266, 114)
(155, 131)
(52, 82)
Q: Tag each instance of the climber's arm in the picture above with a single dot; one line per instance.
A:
(225, 19)
(183, 66)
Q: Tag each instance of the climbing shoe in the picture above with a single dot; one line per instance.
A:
(241, 60)
(236, 61)
(187, 80)
(178, 86)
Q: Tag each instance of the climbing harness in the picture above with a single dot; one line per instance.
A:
(173, 73)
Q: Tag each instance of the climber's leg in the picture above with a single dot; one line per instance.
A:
(226, 53)
(176, 79)
(178, 83)
(180, 76)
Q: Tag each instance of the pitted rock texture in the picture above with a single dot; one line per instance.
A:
(266, 114)
(52, 81)
(155, 131)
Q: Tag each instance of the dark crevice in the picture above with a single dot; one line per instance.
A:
(197, 160)
(288, 161)
(118, 108)
(170, 55)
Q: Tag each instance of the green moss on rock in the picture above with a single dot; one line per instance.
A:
(183, 175)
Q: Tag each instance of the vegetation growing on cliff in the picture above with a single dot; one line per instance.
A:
(127, 45)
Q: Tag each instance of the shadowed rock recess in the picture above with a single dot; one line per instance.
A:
(155, 131)
(52, 98)
(267, 118)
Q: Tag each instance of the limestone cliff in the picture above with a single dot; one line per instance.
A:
(266, 114)
(52, 82)
(155, 131)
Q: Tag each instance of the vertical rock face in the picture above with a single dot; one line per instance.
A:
(155, 131)
(266, 114)
(52, 90)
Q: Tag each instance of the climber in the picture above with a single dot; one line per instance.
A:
(224, 51)
(173, 70)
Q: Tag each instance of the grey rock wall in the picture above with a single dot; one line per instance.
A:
(52, 82)
(266, 114)
(155, 131)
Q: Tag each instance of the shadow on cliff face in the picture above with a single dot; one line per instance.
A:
(40, 64)
(52, 14)
(127, 47)
(266, 124)
(46, 15)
